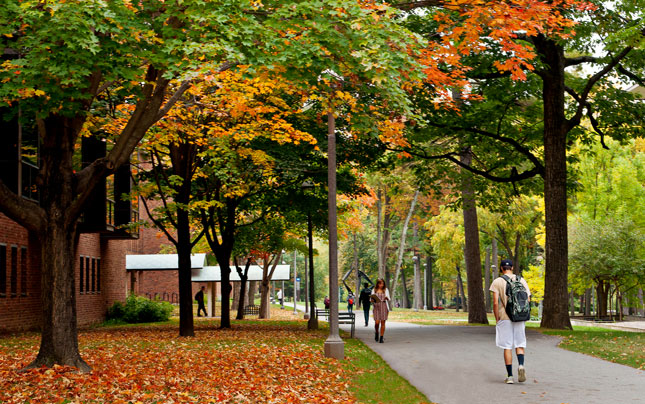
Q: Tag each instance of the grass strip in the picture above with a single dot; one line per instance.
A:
(624, 347)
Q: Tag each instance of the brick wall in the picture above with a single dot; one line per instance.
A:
(20, 310)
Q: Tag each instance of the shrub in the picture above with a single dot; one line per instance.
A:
(138, 309)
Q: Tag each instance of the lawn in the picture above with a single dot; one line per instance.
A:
(272, 361)
(627, 348)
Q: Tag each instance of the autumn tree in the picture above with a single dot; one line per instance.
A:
(64, 63)
(545, 51)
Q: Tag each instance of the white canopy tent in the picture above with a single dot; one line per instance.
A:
(200, 272)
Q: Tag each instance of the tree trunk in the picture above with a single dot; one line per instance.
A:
(460, 289)
(58, 239)
(572, 304)
(264, 300)
(226, 296)
(588, 302)
(429, 286)
(404, 232)
(253, 290)
(243, 297)
(555, 313)
(602, 292)
(487, 281)
(472, 255)
(59, 337)
(186, 325)
(405, 299)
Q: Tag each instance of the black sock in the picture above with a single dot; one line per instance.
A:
(509, 370)
(520, 358)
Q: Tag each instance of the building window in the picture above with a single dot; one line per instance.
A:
(87, 274)
(23, 271)
(14, 271)
(81, 283)
(3, 270)
(93, 283)
(98, 275)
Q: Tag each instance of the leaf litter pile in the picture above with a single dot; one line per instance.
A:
(254, 362)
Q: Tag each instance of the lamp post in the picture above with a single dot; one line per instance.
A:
(334, 345)
(312, 324)
(295, 282)
(282, 289)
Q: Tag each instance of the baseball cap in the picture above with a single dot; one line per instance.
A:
(506, 263)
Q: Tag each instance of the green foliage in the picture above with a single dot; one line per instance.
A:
(138, 309)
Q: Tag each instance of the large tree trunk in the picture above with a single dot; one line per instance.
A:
(58, 239)
(476, 305)
(226, 296)
(59, 338)
(555, 313)
(404, 232)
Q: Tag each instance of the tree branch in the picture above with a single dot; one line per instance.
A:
(575, 120)
(579, 60)
(27, 214)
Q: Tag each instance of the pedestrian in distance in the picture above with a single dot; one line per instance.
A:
(511, 298)
(364, 300)
(199, 296)
(350, 303)
(280, 297)
(379, 298)
(326, 301)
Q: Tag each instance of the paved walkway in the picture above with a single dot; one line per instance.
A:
(461, 364)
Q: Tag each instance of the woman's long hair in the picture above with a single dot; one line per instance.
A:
(376, 286)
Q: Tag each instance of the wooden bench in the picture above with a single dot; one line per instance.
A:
(322, 313)
(252, 310)
(344, 317)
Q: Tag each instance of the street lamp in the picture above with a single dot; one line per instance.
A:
(295, 282)
(282, 289)
(334, 345)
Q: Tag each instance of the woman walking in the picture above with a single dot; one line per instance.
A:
(380, 296)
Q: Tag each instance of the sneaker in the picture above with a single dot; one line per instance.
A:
(509, 380)
(521, 374)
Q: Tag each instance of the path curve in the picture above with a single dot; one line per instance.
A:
(461, 364)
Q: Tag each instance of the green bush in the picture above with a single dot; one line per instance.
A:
(138, 309)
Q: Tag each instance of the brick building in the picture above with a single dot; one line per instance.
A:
(101, 277)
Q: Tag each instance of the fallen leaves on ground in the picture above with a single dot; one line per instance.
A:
(254, 362)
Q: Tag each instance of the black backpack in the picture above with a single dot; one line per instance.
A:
(518, 307)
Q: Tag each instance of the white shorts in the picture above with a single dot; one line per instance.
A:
(509, 334)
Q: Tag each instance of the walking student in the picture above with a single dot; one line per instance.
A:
(364, 300)
(350, 303)
(510, 332)
(380, 296)
(200, 302)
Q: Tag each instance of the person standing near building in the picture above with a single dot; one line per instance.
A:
(364, 300)
(380, 296)
(509, 334)
(200, 302)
